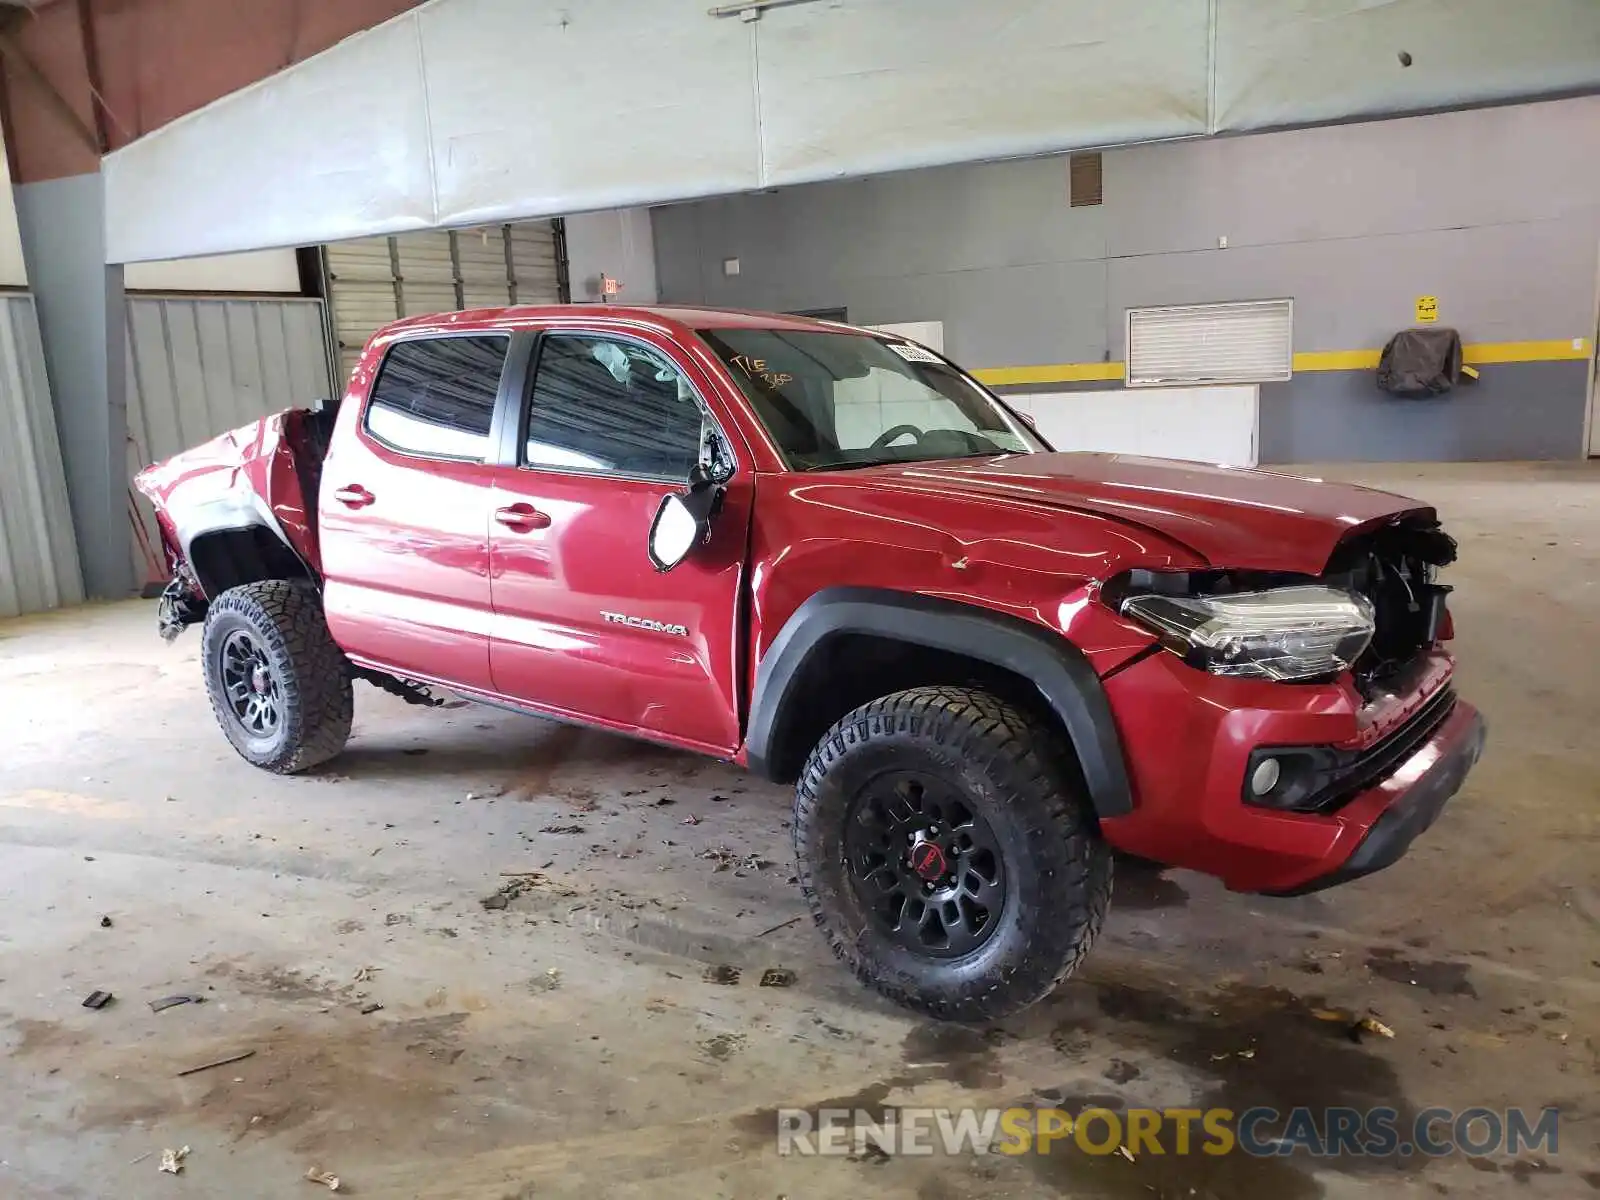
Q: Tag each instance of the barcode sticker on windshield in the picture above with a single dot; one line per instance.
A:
(914, 353)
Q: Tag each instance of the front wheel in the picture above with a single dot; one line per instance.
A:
(946, 855)
(279, 686)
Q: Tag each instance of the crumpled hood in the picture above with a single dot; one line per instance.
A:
(1230, 517)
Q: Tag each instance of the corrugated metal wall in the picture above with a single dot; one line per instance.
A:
(199, 367)
(38, 555)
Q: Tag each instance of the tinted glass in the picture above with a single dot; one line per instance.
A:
(851, 400)
(605, 405)
(435, 396)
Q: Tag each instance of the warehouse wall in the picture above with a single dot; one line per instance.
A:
(616, 243)
(38, 554)
(1496, 212)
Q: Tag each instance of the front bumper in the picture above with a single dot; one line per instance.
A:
(1187, 736)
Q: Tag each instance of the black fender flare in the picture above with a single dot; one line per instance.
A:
(1054, 665)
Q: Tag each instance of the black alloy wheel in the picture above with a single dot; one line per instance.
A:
(254, 695)
(925, 867)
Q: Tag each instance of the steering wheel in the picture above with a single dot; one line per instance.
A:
(893, 432)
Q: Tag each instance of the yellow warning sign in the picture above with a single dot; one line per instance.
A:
(1427, 310)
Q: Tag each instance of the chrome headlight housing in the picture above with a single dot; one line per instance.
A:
(1288, 633)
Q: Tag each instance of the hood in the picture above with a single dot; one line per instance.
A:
(1230, 517)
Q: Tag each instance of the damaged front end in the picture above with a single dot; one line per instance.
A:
(1395, 566)
(236, 509)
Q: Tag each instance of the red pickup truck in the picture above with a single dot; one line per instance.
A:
(832, 556)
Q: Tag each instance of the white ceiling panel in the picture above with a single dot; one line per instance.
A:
(540, 109)
(1297, 62)
(859, 86)
(464, 112)
(333, 148)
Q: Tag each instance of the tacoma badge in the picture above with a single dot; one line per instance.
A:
(644, 623)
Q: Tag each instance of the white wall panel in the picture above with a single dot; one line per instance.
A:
(257, 271)
(334, 148)
(540, 109)
(860, 86)
(620, 244)
(1201, 424)
(38, 553)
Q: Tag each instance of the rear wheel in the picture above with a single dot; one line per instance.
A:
(946, 856)
(279, 686)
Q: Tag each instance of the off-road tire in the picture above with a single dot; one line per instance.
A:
(1018, 775)
(312, 675)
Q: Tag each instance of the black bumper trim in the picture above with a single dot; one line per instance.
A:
(1408, 818)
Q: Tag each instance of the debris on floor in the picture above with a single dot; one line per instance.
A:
(778, 977)
(105, 922)
(172, 1160)
(781, 925)
(691, 819)
(563, 829)
(218, 1062)
(98, 1000)
(516, 883)
(364, 974)
(871, 1153)
(722, 1046)
(326, 1178)
(167, 1002)
(663, 801)
(1354, 1026)
(368, 1009)
(721, 973)
(726, 859)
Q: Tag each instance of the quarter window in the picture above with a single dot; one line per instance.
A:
(599, 404)
(435, 396)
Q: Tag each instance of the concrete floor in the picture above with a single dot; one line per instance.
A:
(571, 1043)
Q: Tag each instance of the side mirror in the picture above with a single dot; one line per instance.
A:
(683, 521)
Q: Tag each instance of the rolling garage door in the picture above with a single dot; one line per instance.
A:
(372, 281)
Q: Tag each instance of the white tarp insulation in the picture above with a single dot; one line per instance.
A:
(469, 111)
(38, 554)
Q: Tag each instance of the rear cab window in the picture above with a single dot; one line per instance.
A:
(435, 397)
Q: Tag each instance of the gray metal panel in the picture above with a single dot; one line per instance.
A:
(197, 368)
(1514, 411)
(533, 262)
(38, 554)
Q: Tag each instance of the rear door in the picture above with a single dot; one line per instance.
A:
(585, 626)
(404, 511)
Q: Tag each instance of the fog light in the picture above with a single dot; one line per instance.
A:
(1265, 777)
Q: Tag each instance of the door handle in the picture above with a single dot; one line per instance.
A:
(522, 517)
(354, 496)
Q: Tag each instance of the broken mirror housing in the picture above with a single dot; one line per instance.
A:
(1288, 634)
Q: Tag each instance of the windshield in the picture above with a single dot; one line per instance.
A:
(852, 400)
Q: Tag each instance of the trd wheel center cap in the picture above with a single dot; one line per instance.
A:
(260, 681)
(928, 861)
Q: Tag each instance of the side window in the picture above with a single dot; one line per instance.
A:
(435, 396)
(604, 405)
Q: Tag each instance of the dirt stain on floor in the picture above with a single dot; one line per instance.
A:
(1248, 1048)
(1440, 978)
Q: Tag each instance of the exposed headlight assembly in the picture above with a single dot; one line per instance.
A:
(1287, 633)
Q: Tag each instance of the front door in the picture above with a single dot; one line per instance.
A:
(584, 625)
(404, 512)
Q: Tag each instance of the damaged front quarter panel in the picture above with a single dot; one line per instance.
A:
(250, 478)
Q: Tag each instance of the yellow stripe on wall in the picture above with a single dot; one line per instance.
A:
(1060, 373)
(1479, 354)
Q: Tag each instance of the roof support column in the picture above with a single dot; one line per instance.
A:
(83, 324)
